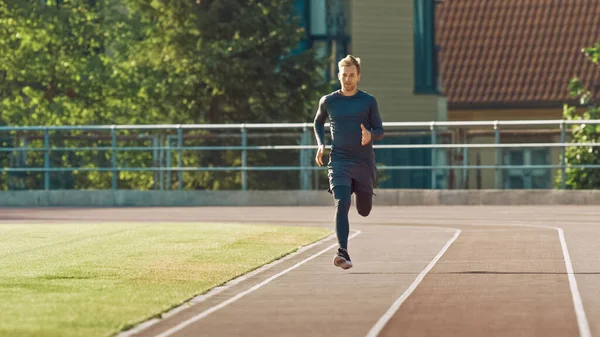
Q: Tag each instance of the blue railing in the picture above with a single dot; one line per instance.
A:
(169, 139)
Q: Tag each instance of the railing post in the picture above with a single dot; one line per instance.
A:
(563, 160)
(496, 142)
(46, 159)
(155, 163)
(433, 157)
(304, 159)
(244, 158)
(180, 157)
(465, 166)
(169, 162)
(161, 156)
(114, 158)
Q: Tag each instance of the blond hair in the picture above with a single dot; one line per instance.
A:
(349, 61)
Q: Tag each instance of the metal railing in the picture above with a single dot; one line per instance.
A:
(173, 137)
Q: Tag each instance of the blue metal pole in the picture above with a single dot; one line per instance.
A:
(433, 155)
(465, 166)
(46, 160)
(168, 186)
(563, 159)
(497, 141)
(244, 158)
(161, 170)
(155, 143)
(114, 158)
(304, 159)
(180, 157)
(168, 162)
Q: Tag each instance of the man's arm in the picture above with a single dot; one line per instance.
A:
(375, 121)
(319, 122)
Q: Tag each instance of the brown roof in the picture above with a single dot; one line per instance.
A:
(515, 52)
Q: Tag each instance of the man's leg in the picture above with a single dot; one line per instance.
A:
(341, 194)
(363, 189)
(364, 202)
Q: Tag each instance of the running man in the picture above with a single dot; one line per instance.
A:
(354, 124)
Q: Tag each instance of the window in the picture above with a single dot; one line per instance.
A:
(527, 178)
(425, 49)
(327, 25)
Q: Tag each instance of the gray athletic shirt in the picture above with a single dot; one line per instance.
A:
(346, 113)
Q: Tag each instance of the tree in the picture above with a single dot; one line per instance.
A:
(74, 62)
(61, 63)
(578, 177)
(228, 61)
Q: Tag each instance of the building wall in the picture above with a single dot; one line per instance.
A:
(485, 178)
(382, 36)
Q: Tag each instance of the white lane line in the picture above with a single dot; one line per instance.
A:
(221, 305)
(200, 298)
(376, 329)
(584, 327)
(582, 322)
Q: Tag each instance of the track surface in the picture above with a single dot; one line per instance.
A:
(419, 271)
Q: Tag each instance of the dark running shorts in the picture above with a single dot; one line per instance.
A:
(359, 177)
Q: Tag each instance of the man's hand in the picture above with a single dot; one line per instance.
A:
(319, 157)
(366, 135)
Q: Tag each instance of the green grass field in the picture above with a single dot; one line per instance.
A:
(97, 279)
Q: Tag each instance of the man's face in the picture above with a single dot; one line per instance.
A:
(349, 77)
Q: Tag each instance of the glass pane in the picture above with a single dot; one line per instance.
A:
(337, 17)
(318, 14)
(539, 157)
(515, 158)
(516, 182)
(425, 55)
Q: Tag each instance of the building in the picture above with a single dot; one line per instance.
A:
(396, 41)
(463, 60)
(513, 60)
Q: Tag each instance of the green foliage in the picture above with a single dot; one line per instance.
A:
(54, 66)
(55, 69)
(577, 177)
(593, 53)
(228, 61)
(77, 62)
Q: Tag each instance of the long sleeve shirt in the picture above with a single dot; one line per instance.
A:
(345, 114)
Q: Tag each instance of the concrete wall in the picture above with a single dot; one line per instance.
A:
(385, 197)
(382, 36)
